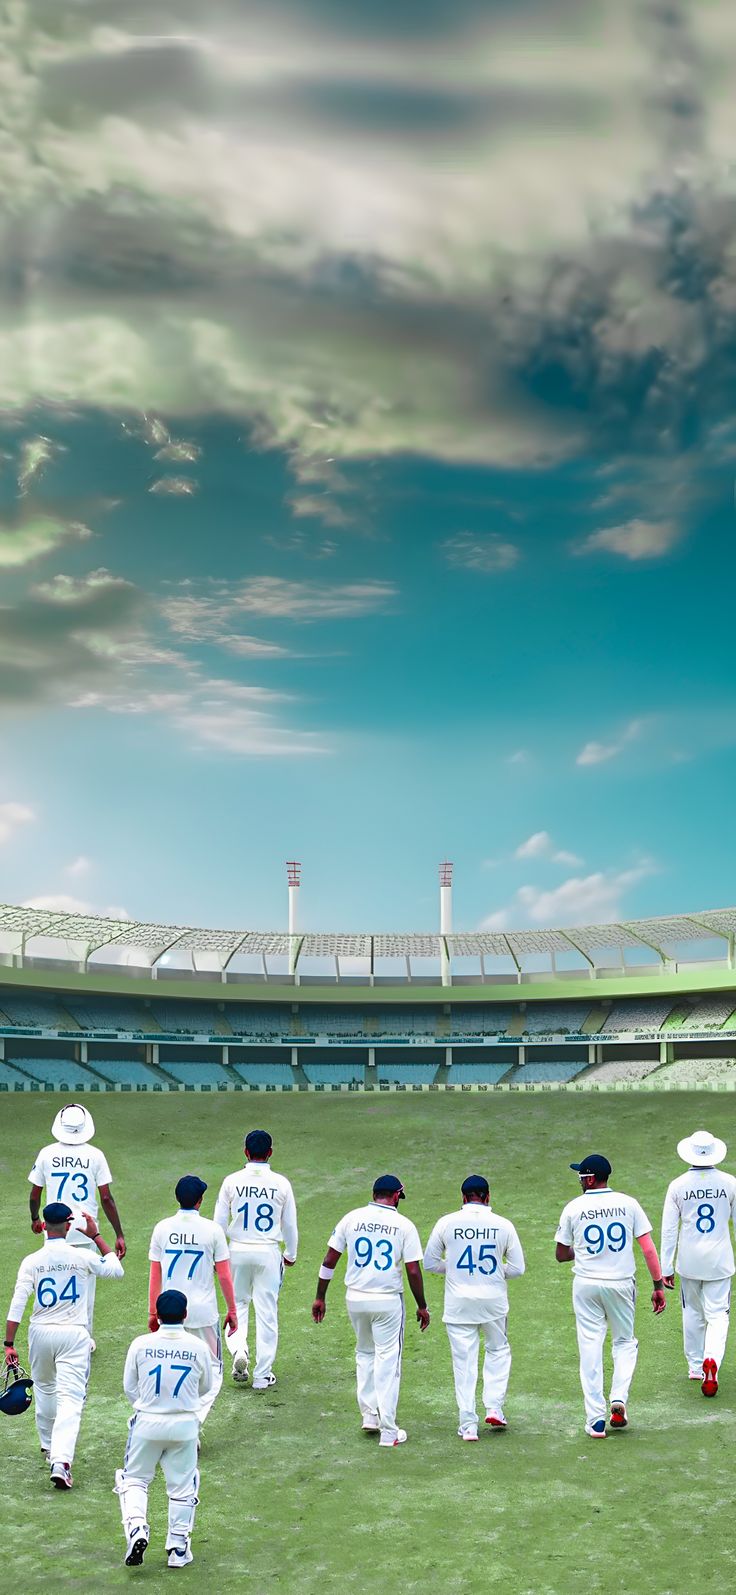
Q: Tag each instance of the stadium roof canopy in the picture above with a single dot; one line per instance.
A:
(89, 934)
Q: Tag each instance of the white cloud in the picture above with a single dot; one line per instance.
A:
(200, 616)
(472, 552)
(633, 540)
(63, 903)
(175, 487)
(600, 752)
(540, 845)
(79, 866)
(580, 900)
(253, 647)
(520, 756)
(12, 816)
(32, 535)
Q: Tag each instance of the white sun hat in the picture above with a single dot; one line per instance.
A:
(702, 1150)
(73, 1125)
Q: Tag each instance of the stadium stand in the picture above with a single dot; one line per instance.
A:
(196, 1072)
(329, 1022)
(482, 1021)
(11, 1078)
(125, 1072)
(547, 1073)
(554, 1018)
(57, 1072)
(36, 1013)
(258, 1022)
(622, 1069)
(710, 1014)
(188, 1018)
(334, 1073)
(405, 1073)
(697, 1071)
(111, 1013)
(264, 1074)
(477, 1073)
(637, 1013)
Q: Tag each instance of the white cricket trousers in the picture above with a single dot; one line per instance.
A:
(379, 1342)
(705, 1309)
(465, 1341)
(210, 1334)
(88, 1245)
(171, 1440)
(257, 1274)
(59, 1356)
(600, 1305)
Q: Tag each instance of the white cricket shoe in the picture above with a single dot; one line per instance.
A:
(470, 1432)
(137, 1545)
(398, 1438)
(241, 1368)
(265, 1384)
(179, 1555)
(61, 1475)
(93, 1345)
(597, 1430)
(695, 1373)
(371, 1423)
(495, 1418)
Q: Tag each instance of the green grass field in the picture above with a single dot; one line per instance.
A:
(293, 1496)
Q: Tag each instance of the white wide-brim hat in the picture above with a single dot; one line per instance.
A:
(702, 1150)
(73, 1125)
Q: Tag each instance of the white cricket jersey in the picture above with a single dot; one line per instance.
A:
(187, 1246)
(378, 1241)
(602, 1226)
(72, 1174)
(57, 1276)
(167, 1372)
(477, 1251)
(701, 1205)
(256, 1207)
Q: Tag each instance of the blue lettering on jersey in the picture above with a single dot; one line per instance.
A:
(474, 1234)
(703, 1195)
(604, 1212)
(255, 1190)
(377, 1229)
(69, 1162)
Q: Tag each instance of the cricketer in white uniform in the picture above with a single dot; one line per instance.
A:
(186, 1252)
(699, 1208)
(477, 1251)
(257, 1209)
(377, 1239)
(596, 1232)
(166, 1376)
(58, 1277)
(73, 1171)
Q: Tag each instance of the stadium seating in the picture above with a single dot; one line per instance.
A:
(622, 1069)
(710, 1014)
(697, 1071)
(637, 1013)
(548, 1073)
(188, 1018)
(483, 1021)
(554, 1018)
(35, 1013)
(404, 1073)
(196, 1072)
(329, 1022)
(57, 1072)
(264, 1074)
(477, 1073)
(111, 1013)
(256, 1022)
(10, 1078)
(126, 1072)
(334, 1073)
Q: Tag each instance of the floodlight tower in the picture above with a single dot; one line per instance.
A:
(294, 876)
(445, 919)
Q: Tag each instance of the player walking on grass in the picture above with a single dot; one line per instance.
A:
(186, 1252)
(377, 1239)
(257, 1209)
(167, 1375)
(75, 1172)
(699, 1208)
(477, 1251)
(596, 1233)
(58, 1277)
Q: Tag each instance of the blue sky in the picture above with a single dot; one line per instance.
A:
(367, 464)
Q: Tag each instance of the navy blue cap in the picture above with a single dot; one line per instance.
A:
(258, 1144)
(189, 1190)
(475, 1182)
(171, 1307)
(596, 1165)
(56, 1213)
(388, 1185)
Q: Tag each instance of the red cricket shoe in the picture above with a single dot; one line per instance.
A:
(709, 1385)
(619, 1417)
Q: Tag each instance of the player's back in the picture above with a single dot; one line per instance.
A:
(58, 1275)
(72, 1174)
(256, 1206)
(601, 1226)
(377, 1241)
(167, 1372)
(475, 1241)
(187, 1246)
(706, 1202)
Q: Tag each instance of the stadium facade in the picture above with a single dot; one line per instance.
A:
(88, 1003)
